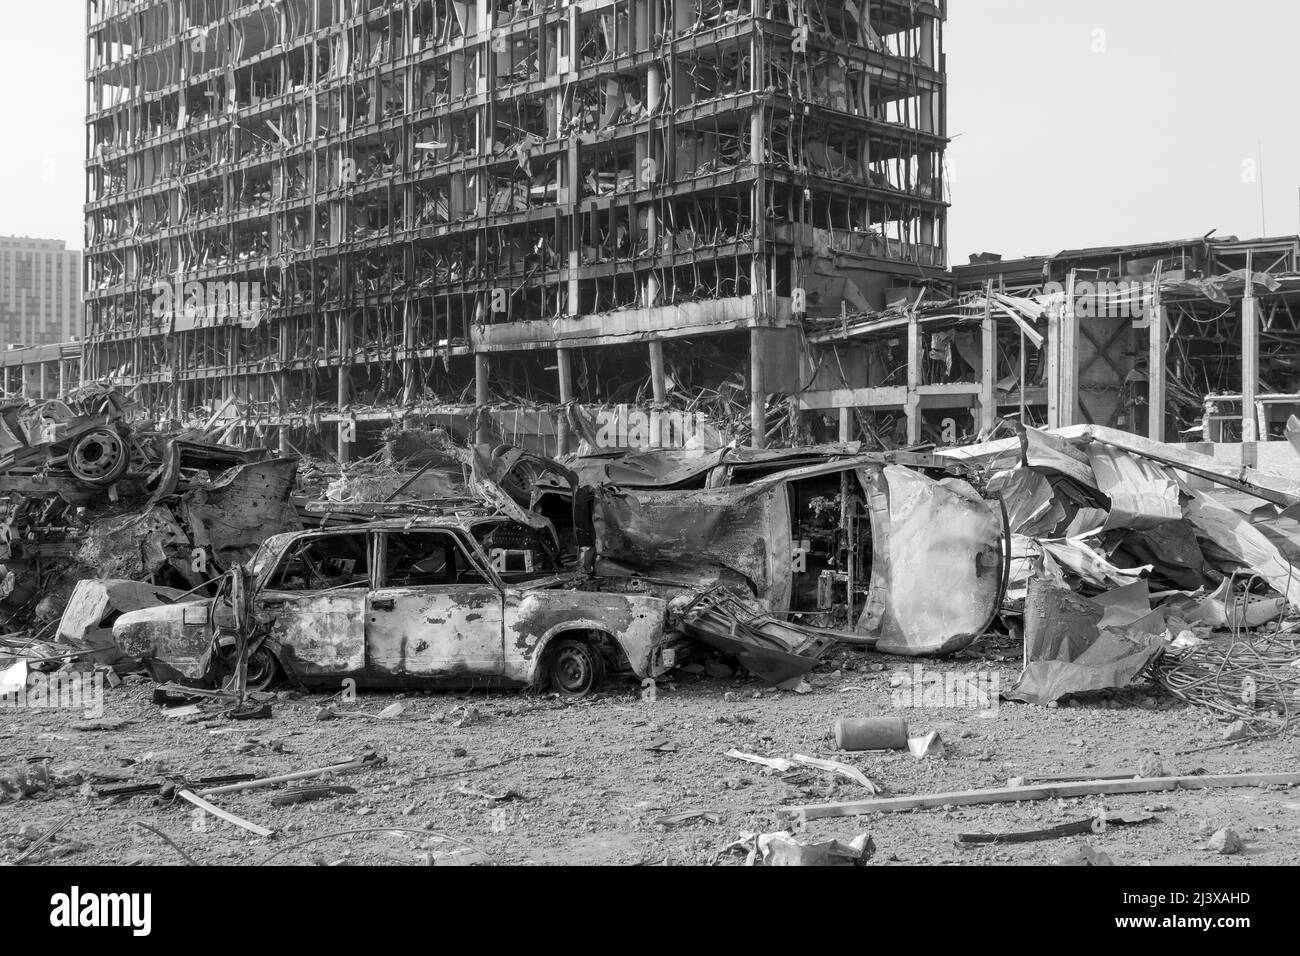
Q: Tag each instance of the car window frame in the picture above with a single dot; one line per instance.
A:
(311, 536)
(475, 557)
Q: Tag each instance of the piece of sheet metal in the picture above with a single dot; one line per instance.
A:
(938, 563)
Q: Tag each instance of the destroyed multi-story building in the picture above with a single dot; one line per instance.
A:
(1165, 339)
(327, 215)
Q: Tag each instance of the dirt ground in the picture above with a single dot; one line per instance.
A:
(526, 778)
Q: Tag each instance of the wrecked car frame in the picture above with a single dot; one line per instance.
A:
(919, 566)
(456, 601)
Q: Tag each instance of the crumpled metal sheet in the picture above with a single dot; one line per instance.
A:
(1077, 557)
(1142, 494)
(773, 650)
(240, 509)
(938, 562)
(1218, 289)
(1171, 552)
(668, 468)
(678, 535)
(1031, 506)
(1244, 543)
(1069, 651)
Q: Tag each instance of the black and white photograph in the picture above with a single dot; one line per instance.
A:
(646, 434)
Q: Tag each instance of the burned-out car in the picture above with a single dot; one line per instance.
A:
(890, 549)
(474, 599)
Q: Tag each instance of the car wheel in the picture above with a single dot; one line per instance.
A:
(263, 670)
(575, 668)
(99, 457)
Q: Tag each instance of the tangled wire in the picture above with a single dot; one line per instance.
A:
(1254, 678)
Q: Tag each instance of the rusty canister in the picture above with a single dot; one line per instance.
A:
(871, 733)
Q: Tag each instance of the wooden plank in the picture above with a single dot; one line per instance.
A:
(1051, 791)
(223, 814)
(356, 764)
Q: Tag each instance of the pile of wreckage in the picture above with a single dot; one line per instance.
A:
(1133, 559)
(1119, 560)
(105, 511)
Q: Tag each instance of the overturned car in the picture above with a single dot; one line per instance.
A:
(473, 598)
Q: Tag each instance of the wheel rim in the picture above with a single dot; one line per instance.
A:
(572, 671)
(97, 456)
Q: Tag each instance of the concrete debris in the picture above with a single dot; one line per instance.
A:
(19, 782)
(1225, 842)
(1237, 730)
(1085, 855)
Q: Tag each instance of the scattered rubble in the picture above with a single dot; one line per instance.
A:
(1130, 575)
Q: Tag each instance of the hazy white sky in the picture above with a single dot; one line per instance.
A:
(1075, 122)
(1083, 123)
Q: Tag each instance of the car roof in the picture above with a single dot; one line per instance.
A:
(463, 522)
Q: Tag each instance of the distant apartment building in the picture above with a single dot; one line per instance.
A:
(40, 292)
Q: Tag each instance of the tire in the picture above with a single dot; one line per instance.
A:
(99, 457)
(574, 668)
(263, 670)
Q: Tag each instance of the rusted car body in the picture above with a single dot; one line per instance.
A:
(469, 600)
(920, 565)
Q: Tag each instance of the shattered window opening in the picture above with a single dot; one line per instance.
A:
(323, 563)
(425, 558)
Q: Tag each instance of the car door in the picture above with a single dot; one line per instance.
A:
(437, 613)
(939, 559)
(315, 602)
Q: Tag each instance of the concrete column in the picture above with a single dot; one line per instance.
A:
(342, 404)
(988, 364)
(846, 424)
(657, 380)
(1068, 367)
(913, 380)
(757, 394)
(1053, 346)
(1249, 356)
(409, 318)
(574, 194)
(654, 97)
(565, 372)
(482, 435)
(1156, 370)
